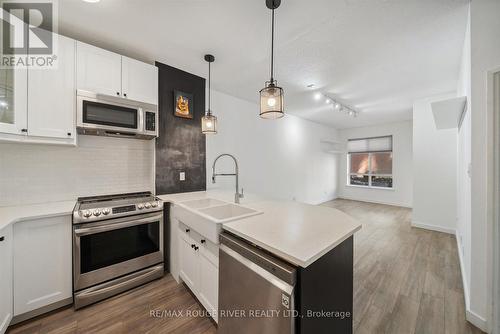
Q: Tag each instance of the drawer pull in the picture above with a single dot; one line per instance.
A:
(2, 238)
(203, 241)
(187, 230)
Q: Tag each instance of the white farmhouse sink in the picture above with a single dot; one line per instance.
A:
(203, 203)
(229, 211)
(207, 215)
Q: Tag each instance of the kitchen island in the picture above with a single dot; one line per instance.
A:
(316, 241)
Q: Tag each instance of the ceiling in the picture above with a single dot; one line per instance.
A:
(376, 56)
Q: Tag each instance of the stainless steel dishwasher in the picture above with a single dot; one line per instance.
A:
(256, 290)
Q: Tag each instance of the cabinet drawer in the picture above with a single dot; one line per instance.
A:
(187, 233)
(208, 248)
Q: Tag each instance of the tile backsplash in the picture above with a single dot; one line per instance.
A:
(97, 166)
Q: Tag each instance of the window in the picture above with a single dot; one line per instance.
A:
(370, 162)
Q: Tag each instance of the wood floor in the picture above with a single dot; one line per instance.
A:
(128, 313)
(406, 280)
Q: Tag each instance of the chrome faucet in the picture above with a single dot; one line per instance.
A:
(237, 195)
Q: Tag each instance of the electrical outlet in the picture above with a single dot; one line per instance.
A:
(182, 176)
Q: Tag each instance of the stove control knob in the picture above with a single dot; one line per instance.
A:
(147, 205)
(106, 211)
(86, 213)
(97, 212)
(154, 204)
(140, 206)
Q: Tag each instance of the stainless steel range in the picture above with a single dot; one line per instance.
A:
(117, 244)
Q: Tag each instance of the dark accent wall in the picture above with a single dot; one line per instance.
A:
(181, 145)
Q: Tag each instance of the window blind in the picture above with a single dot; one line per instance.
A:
(373, 144)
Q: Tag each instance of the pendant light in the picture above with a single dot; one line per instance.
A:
(209, 121)
(271, 96)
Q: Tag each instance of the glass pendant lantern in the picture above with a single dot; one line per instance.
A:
(209, 124)
(271, 96)
(209, 121)
(271, 101)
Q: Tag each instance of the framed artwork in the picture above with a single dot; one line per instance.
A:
(183, 104)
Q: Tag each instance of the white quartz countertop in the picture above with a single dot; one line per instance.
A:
(298, 233)
(12, 214)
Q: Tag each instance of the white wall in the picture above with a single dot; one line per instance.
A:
(485, 57)
(435, 170)
(402, 194)
(278, 158)
(98, 166)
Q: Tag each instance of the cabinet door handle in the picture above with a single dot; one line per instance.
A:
(118, 93)
(196, 248)
(203, 241)
(2, 239)
(187, 230)
(125, 94)
(192, 245)
(24, 130)
(69, 133)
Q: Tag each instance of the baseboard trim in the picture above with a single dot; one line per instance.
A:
(321, 202)
(476, 320)
(5, 324)
(471, 317)
(35, 313)
(431, 227)
(375, 202)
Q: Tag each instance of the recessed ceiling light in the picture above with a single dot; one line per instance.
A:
(317, 96)
(328, 101)
(337, 106)
(92, 1)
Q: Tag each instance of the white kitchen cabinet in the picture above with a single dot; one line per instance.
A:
(199, 267)
(13, 101)
(139, 81)
(52, 96)
(6, 301)
(189, 269)
(209, 284)
(98, 70)
(42, 264)
(38, 105)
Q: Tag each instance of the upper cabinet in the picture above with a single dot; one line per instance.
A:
(13, 101)
(51, 96)
(104, 72)
(139, 81)
(37, 105)
(98, 70)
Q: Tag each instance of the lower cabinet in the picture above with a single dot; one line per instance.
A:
(42, 265)
(199, 267)
(5, 278)
(189, 268)
(209, 284)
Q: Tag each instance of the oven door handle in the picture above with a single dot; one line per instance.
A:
(98, 229)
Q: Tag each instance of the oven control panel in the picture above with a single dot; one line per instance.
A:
(117, 211)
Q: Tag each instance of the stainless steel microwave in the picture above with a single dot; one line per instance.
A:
(104, 115)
